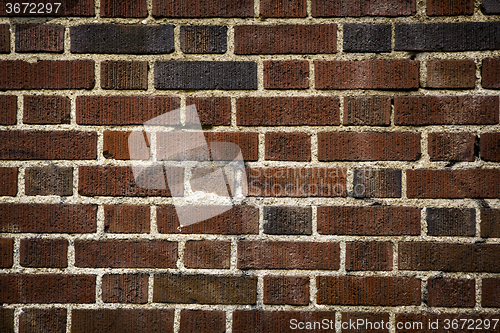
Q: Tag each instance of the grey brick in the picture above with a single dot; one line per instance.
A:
(367, 38)
(204, 39)
(491, 6)
(288, 220)
(451, 221)
(131, 39)
(225, 75)
(50, 180)
(377, 183)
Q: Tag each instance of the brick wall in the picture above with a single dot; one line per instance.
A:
(388, 109)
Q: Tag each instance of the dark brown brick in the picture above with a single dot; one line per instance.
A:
(125, 254)
(125, 288)
(451, 146)
(288, 147)
(4, 38)
(205, 289)
(363, 322)
(446, 110)
(117, 8)
(287, 8)
(295, 39)
(7, 320)
(39, 38)
(122, 320)
(451, 74)
(453, 184)
(288, 255)
(491, 73)
(39, 252)
(450, 8)
(50, 180)
(490, 223)
(280, 220)
(212, 111)
(200, 8)
(116, 145)
(490, 146)
(292, 290)
(51, 320)
(449, 257)
(200, 321)
(48, 145)
(67, 8)
(47, 288)
(367, 74)
(358, 8)
(377, 183)
(48, 218)
(451, 221)
(293, 111)
(368, 256)
(367, 111)
(46, 110)
(6, 252)
(203, 39)
(8, 106)
(286, 74)
(451, 292)
(8, 181)
(207, 254)
(491, 292)
(124, 75)
(126, 219)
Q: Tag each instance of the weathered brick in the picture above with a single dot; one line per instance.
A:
(490, 7)
(368, 256)
(368, 290)
(419, 322)
(8, 181)
(367, 74)
(446, 110)
(490, 147)
(39, 38)
(6, 252)
(39, 252)
(292, 290)
(126, 39)
(212, 111)
(50, 180)
(117, 8)
(122, 320)
(447, 37)
(288, 8)
(450, 8)
(367, 111)
(48, 218)
(358, 8)
(451, 221)
(453, 184)
(124, 75)
(4, 38)
(124, 254)
(367, 38)
(205, 289)
(125, 288)
(288, 255)
(47, 74)
(449, 257)
(490, 292)
(200, 8)
(280, 220)
(51, 320)
(296, 39)
(365, 321)
(491, 73)
(451, 74)
(293, 111)
(47, 288)
(8, 106)
(126, 219)
(67, 8)
(292, 74)
(451, 292)
(207, 254)
(204, 39)
(490, 223)
(200, 321)
(377, 183)
(374, 220)
(116, 146)
(7, 320)
(44, 110)
(288, 147)
(451, 146)
(223, 75)
(260, 321)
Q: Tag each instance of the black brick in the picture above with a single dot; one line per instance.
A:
(448, 37)
(451, 221)
(491, 6)
(288, 220)
(225, 75)
(367, 38)
(204, 39)
(132, 39)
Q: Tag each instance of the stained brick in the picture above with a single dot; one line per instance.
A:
(490, 292)
(490, 7)
(451, 292)
(367, 111)
(4, 38)
(8, 181)
(491, 73)
(377, 183)
(450, 8)
(490, 223)
(67, 8)
(292, 290)
(288, 147)
(292, 74)
(451, 221)
(126, 219)
(451, 146)
(358, 8)
(280, 220)
(117, 8)
(39, 252)
(204, 39)
(200, 321)
(451, 74)
(260, 321)
(287, 8)
(8, 107)
(125, 288)
(39, 38)
(368, 256)
(367, 38)
(124, 75)
(51, 320)
(6, 253)
(51, 180)
(207, 254)
(116, 146)
(212, 111)
(46, 110)
(200, 8)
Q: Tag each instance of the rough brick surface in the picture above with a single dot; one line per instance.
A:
(491, 292)
(4, 38)
(377, 183)
(292, 290)
(367, 38)
(490, 223)
(450, 8)
(46, 320)
(260, 321)
(8, 105)
(7, 320)
(44, 253)
(207, 254)
(117, 8)
(204, 39)
(366, 111)
(8, 181)
(286, 74)
(451, 221)
(200, 8)
(126, 219)
(6, 252)
(67, 8)
(51, 180)
(211, 111)
(451, 146)
(288, 8)
(124, 75)
(358, 8)
(288, 147)
(490, 7)
(491, 73)
(281, 220)
(125, 288)
(200, 321)
(451, 292)
(451, 74)
(39, 38)
(116, 146)
(368, 256)
(43, 110)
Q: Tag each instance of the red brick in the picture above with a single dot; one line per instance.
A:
(377, 183)
(368, 256)
(286, 74)
(451, 74)
(47, 288)
(370, 290)
(288, 8)
(374, 220)
(419, 322)
(125, 110)
(490, 146)
(205, 289)
(39, 38)
(126, 254)
(453, 184)
(288, 147)
(50, 180)
(200, 8)
(292, 290)
(490, 223)
(8, 106)
(124, 75)
(47, 74)
(446, 110)
(200, 321)
(207, 254)
(491, 73)
(367, 111)
(451, 292)
(126, 219)
(39, 252)
(8, 181)
(450, 8)
(288, 255)
(365, 322)
(368, 146)
(122, 320)
(125, 288)
(367, 74)
(48, 145)
(491, 292)
(6, 252)
(283, 39)
(449, 257)
(451, 146)
(358, 8)
(293, 111)
(212, 111)
(51, 320)
(46, 110)
(239, 220)
(67, 8)
(117, 8)
(48, 218)
(4, 38)
(116, 145)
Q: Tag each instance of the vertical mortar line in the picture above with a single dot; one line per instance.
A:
(177, 40)
(309, 9)
(97, 73)
(261, 219)
(12, 35)
(149, 6)
(68, 318)
(98, 289)
(230, 39)
(350, 181)
(21, 171)
(424, 289)
(153, 223)
(479, 288)
(423, 222)
(393, 36)
(313, 290)
(256, 8)
(229, 320)
(233, 112)
(181, 245)
(71, 253)
(97, 7)
(66, 41)
(392, 124)
(17, 314)
(100, 221)
(423, 73)
(150, 287)
(392, 320)
(233, 256)
(311, 77)
(72, 110)
(338, 321)
(151, 76)
(314, 147)
(177, 320)
(314, 221)
(20, 109)
(421, 10)
(478, 222)
(478, 73)
(262, 147)
(403, 183)
(341, 110)
(342, 265)
(260, 74)
(340, 38)
(260, 289)
(395, 253)
(424, 146)
(16, 258)
(182, 110)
